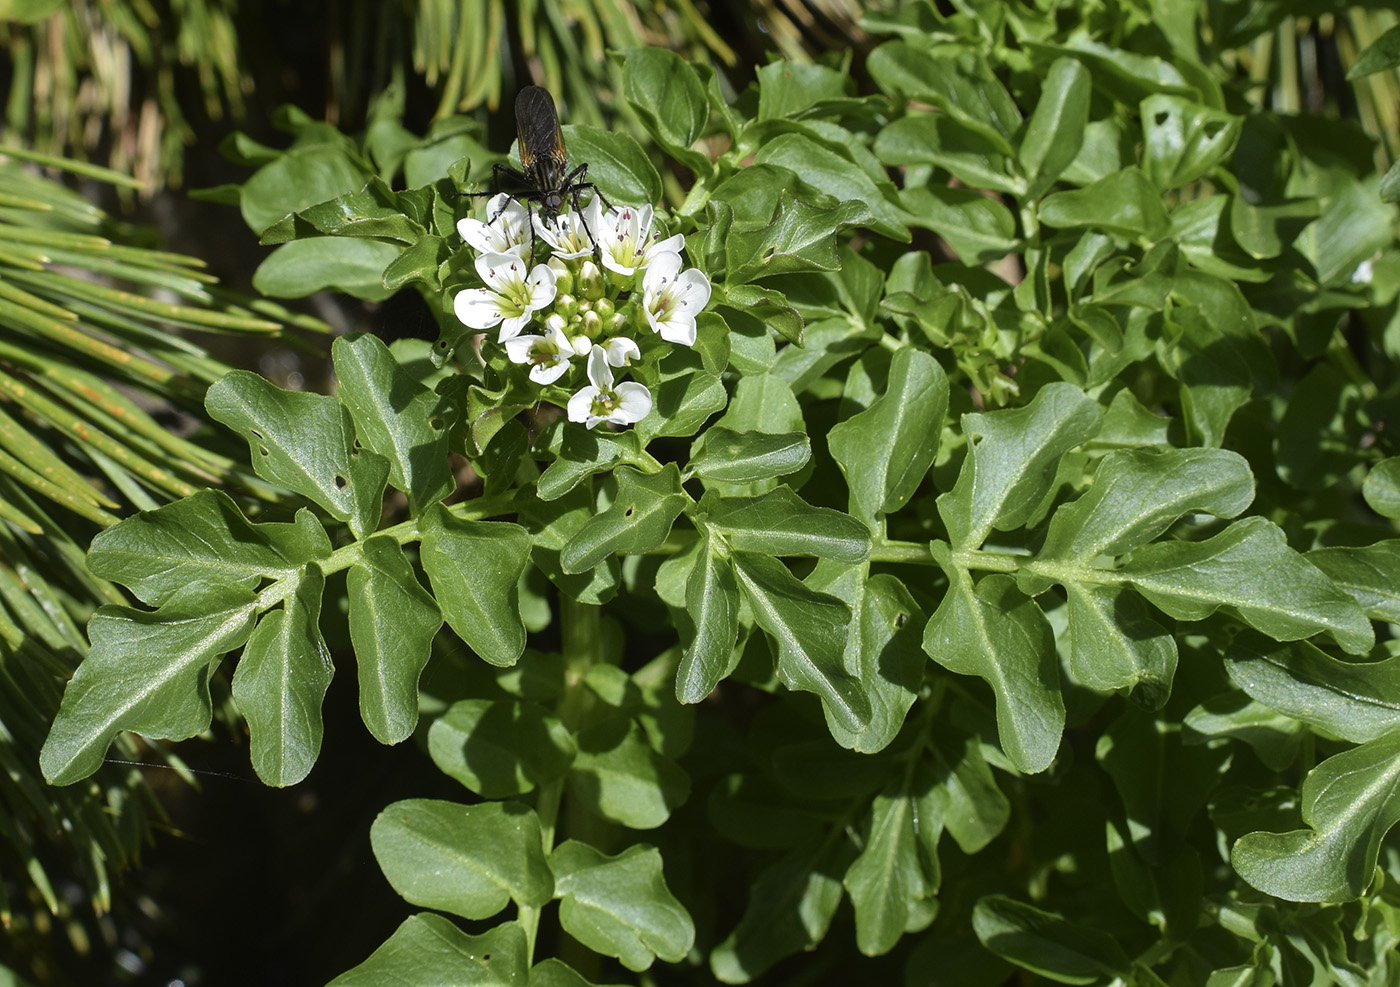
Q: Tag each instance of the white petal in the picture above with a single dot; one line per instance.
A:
(496, 268)
(692, 290)
(511, 328)
(476, 233)
(670, 245)
(520, 348)
(621, 351)
(548, 373)
(634, 403)
(660, 269)
(679, 328)
(543, 286)
(478, 308)
(599, 373)
(582, 346)
(581, 404)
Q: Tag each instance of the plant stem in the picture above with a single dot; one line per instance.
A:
(580, 626)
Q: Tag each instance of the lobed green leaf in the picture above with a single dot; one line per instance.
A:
(620, 906)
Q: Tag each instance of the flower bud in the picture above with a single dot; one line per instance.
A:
(566, 305)
(605, 309)
(590, 281)
(563, 276)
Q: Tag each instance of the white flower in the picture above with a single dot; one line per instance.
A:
(568, 236)
(600, 401)
(621, 351)
(672, 298)
(623, 238)
(549, 354)
(509, 299)
(507, 232)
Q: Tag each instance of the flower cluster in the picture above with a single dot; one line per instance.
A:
(608, 276)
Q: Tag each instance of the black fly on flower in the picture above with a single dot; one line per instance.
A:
(545, 180)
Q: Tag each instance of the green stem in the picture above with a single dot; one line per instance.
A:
(581, 629)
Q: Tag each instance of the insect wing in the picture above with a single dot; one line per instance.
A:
(541, 140)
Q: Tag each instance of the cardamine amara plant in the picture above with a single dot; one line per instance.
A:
(956, 533)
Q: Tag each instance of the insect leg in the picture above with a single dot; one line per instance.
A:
(573, 185)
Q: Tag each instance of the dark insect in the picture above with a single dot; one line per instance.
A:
(546, 181)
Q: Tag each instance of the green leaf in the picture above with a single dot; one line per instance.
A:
(475, 568)
(962, 86)
(683, 398)
(639, 519)
(395, 416)
(304, 267)
(885, 450)
(743, 457)
(1125, 203)
(470, 860)
(979, 229)
(767, 305)
(203, 538)
(620, 906)
(1010, 469)
(1215, 358)
(616, 163)
(392, 624)
(1055, 131)
(1162, 782)
(1045, 943)
(882, 648)
(968, 153)
(1371, 575)
(788, 89)
(306, 443)
(1381, 488)
(298, 179)
(1312, 450)
(886, 879)
(429, 951)
(500, 748)
(1357, 702)
(1381, 54)
(1249, 568)
(1273, 737)
(808, 629)
(556, 973)
(964, 797)
(1138, 494)
(1264, 231)
(622, 779)
(1389, 190)
(551, 524)
(836, 175)
(281, 681)
(670, 100)
(782, 523)
(373, 211)
(1349, 804)
(1124, 76)
(1350, 230)
(147, 672)
(790, 908)
(585, 452)
(995, 632)
(1115, 644)
(1183, 140)
(797, 237)
(712, 601)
